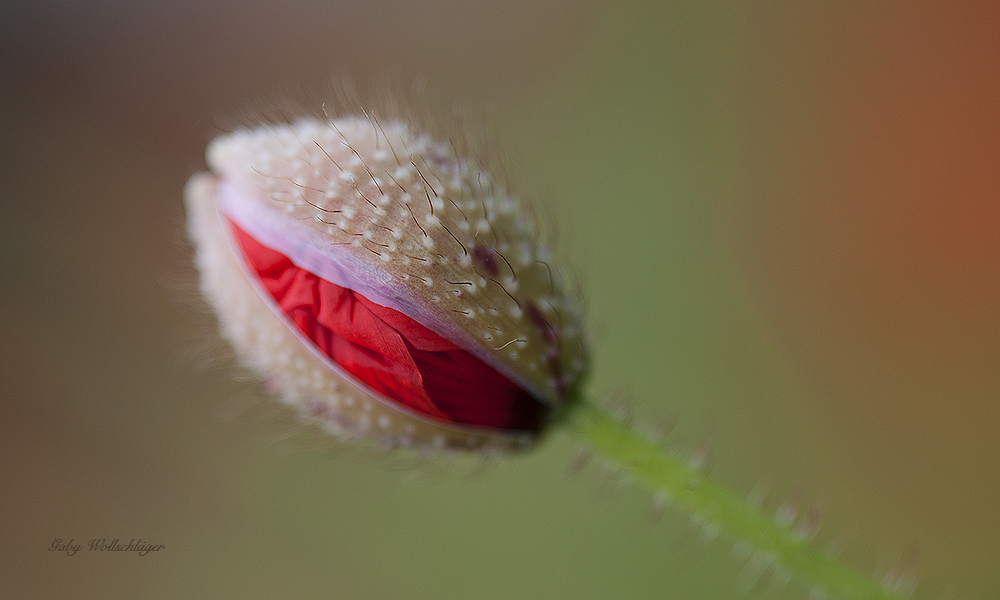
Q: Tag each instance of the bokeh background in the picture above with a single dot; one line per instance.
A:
(785, 216)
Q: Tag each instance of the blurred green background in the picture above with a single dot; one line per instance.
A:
(785, 217)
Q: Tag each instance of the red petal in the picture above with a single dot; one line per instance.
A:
(388, 351)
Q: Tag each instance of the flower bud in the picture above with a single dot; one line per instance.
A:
(384, 285)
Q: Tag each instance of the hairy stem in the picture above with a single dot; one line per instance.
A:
(675, 479)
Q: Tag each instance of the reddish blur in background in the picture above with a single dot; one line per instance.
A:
(786, 219)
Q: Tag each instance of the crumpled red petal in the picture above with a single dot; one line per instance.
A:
(388, 351)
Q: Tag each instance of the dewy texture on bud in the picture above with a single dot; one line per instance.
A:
(384, 285)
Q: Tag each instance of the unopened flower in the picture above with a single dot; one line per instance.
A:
(384, 285)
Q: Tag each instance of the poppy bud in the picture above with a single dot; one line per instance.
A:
(384, 285)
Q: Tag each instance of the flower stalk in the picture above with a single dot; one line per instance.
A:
(674, 479)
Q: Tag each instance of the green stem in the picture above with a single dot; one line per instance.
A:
(688, 488)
